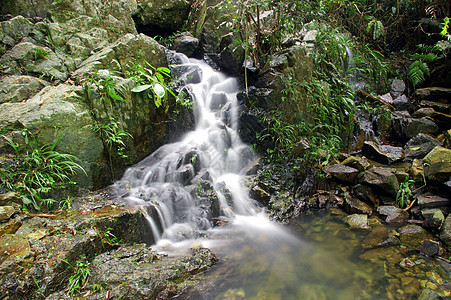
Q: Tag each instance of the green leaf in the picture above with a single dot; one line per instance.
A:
(140, 88)
(159, 90)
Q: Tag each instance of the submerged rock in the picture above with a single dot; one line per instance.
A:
(358, 221)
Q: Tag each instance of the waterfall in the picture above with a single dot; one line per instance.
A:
(184, 187)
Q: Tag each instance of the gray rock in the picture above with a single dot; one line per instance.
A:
(420, 145)
(185, 43)
(382, 153)
(437, 106)
(382, 179)
(14, 30)
(387, 98)
(29, 9)
(403, 103)
(423, 125)
(400, 121)
(310, 36)
(437, 164)
(393, 215)
(342, 172)
(433, 201)
(397, 88)
(19, 88)
(358, 221)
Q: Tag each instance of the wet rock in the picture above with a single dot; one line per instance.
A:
(18, 88)
(400, 121)
(428, 294)
(437, 164)
(393, 215)
(6, 212)
(185, 43)
(381, 179)
(423, 125)
(260, 194)
(429, 248)
(358, 221)
(437, 106)
(147, 275)
(433, 93)
(14, 252)
(359, 163)
(342, 172)
(445, 233)
(397, 88)
(433, 201)
(365, 193)
(355, 206)
(403, 103)
(424, 112)
(420, 145)
(382, 153)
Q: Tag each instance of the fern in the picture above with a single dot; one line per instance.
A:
(376, 27)
(418, 71)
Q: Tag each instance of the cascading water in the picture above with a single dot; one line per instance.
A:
(187, 186)
(172, 182)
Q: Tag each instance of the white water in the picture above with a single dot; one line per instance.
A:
(170, 184)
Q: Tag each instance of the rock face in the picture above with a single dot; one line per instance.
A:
(54, 84)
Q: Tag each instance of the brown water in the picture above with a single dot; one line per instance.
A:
(321, 258)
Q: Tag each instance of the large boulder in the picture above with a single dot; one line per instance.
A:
(60, 110)
(19, 88)
(420, 145)
(157, 15)
(382, 153)
(381, 179)
(437, 164)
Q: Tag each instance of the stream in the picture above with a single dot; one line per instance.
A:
(193, 194)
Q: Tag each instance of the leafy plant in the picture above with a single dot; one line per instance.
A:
(375, 28)
(40, 170)
(107, 237)
(40, 53)
(79, 279)
(404, 193)
(153, 81)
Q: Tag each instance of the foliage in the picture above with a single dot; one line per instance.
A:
(404, 193)
(41, 170)
(153, 81)
(40, 53)
(79, 279)
(419, 69)
(280, 135)
(107, 237)
(110, 131)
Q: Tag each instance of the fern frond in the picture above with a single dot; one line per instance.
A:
(418, 71)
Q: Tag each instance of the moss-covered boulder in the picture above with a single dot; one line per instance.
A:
(158, 15)
(437, 164)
